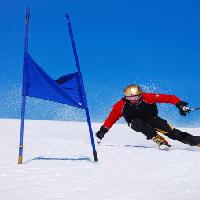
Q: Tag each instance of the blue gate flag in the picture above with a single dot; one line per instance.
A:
(37, 83)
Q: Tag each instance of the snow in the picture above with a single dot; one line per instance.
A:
(58, 164)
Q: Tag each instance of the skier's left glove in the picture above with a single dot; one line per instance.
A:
(100, 134)
(183, 107)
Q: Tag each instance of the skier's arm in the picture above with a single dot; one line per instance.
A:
(166, 98)
(160, 98)
(114, 115)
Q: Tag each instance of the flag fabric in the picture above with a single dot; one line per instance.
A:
(37, 83)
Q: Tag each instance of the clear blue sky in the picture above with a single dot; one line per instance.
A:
(152, 43)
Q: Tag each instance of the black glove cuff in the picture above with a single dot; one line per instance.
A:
(181, 103)
(104, 130)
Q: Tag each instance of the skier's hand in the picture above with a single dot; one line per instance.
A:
(183, 107)
(100, 134)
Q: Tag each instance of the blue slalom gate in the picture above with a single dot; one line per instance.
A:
(68, 89)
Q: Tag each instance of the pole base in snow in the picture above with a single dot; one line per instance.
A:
(20, 158)
(95, 156)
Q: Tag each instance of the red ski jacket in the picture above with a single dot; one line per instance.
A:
(149, 98)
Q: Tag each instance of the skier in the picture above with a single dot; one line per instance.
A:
(140, 111)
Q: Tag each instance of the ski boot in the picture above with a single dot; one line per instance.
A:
(162, 142)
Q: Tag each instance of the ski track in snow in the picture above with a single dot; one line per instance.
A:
(58, 164)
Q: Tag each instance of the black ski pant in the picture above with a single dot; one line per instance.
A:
(151, 126)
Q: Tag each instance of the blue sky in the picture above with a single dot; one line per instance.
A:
(152, 43)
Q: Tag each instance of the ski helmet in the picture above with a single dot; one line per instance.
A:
(133, 93)
(132, 90)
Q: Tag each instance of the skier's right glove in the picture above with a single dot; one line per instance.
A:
(100, 134)
(183, 108)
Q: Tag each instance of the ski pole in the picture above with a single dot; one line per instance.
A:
(191, 109)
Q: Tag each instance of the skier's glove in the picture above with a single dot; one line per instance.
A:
(100, 134)
(183, 107)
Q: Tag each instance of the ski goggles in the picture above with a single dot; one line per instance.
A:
(134, 97)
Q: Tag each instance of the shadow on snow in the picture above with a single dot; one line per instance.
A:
(57, 158)
(173, 148)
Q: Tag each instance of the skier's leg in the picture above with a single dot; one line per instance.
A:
(162, 126)
(142, 126)
(139, 125)
(184, 137)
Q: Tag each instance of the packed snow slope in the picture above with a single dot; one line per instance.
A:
(58, 164)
